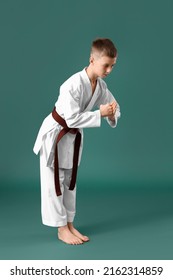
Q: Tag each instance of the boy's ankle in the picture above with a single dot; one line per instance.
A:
(61, 228)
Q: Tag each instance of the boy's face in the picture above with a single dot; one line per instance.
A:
(102, 65)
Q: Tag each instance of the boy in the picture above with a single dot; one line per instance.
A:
(60, 138)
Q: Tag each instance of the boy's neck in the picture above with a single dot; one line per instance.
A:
(92, 77)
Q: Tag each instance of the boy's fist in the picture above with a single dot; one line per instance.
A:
(114, 106)
(108, 110)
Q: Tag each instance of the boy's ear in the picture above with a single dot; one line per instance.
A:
(91, 59)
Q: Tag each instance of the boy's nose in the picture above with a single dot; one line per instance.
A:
(109, 70)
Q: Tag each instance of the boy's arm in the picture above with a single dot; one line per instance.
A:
(108, 98)
(112, 120)
(69, 105)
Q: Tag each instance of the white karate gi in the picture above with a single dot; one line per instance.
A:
(74, 104)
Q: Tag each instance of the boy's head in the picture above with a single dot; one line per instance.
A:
(103, 56)
(104, 47)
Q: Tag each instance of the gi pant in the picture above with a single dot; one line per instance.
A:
(56, 210)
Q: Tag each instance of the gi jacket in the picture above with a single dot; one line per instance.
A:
(74, 104)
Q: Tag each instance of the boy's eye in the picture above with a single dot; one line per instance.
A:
(107, 65)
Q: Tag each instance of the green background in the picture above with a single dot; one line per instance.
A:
(125, 181)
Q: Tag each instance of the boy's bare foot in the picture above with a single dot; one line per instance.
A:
(77, 233)
(65, 235)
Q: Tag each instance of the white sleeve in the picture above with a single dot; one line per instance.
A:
(74, 117)
(117, 112)
(107, 97)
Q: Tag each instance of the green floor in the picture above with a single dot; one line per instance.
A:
(126, 222)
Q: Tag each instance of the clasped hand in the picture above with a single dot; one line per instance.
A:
(108, 110)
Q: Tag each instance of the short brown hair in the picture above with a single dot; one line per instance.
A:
(105, 46)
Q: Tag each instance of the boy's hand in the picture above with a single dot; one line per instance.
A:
(114, 106)
(108, 110)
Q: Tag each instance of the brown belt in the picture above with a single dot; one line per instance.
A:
(77, 143)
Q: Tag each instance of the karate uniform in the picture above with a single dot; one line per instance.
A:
(74, 105)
